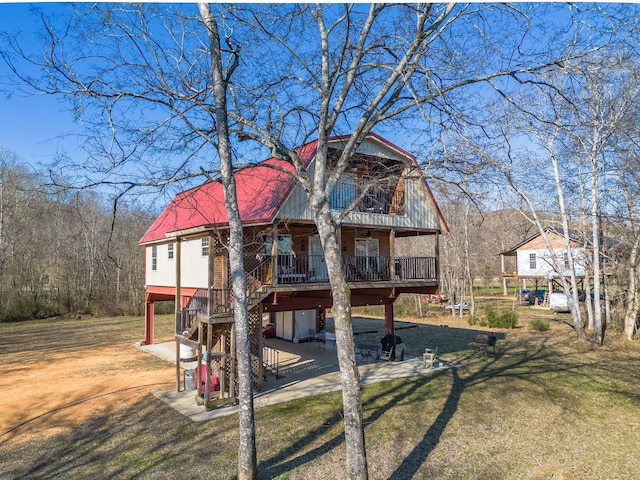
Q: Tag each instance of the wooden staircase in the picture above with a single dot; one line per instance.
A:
(253, 300)
(222, 301)
(207, 325)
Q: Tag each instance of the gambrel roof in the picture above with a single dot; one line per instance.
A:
(261, 190)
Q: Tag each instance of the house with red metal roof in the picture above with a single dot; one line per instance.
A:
(383, 195)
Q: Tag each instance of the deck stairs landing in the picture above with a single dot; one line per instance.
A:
(198, 315)
(221, 303)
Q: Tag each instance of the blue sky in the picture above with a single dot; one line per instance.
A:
(35, 127)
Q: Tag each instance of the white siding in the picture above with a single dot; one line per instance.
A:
(165, 274)
(194, 266)
(544, 264)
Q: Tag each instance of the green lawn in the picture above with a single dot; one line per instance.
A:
(547, 407)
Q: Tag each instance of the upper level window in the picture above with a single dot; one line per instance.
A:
(170, 251)
(154, 258)
(382, 196)
(205, 246)
(532, 261)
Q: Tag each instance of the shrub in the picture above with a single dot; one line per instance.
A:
(507, 319)
(490, 316)
(539, 325)
(498, 319)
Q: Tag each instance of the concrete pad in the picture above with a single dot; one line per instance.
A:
(306, 370)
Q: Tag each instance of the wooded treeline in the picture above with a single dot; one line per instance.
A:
(65, 253)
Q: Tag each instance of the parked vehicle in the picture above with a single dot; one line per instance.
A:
(269, 331)
(457, 306)
(539, 294)
(529, 296)
(558, 302)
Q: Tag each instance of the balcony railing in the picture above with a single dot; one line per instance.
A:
(312, 269)
(307, 269)
(382, 198)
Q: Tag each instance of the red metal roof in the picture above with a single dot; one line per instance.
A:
(260, 189)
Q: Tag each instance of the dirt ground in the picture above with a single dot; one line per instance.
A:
(53, 385)
(47, 393)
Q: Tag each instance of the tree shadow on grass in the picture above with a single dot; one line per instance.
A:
(537, 360)
(282, 463)
(145, 440)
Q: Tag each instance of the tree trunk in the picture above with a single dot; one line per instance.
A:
(597, 255)
(633, 295)
(247, 457)
(351, 394)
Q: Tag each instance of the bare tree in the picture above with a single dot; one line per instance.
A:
(552, 140)
(247, 458)
(150, 82)
(353, 73)
(303, 72)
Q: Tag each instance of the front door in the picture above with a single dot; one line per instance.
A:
(317, 266)
(367, 252)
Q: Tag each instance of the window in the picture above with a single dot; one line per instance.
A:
(367, 251)
(154, 258)
(532, 261)
(205, 246)
(285, 250)
(566, 259)
(170, 251)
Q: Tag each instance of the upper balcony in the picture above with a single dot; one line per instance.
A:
(312, 269)
(363, 195)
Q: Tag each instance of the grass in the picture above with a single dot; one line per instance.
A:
(547, 407)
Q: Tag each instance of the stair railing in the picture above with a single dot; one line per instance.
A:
(270, 359)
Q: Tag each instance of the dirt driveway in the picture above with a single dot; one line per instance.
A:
(55, 377)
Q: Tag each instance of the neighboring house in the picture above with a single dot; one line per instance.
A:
(534, 262)
(287, 278)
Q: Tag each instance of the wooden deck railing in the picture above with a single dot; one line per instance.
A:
(304, 269)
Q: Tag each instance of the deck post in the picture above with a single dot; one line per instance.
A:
(388, 319)
(274, 253)
(392, 254)
(211, 276)
(178, 306)
(504, 279)
(207, 384)
(436, 248)
(149, 320)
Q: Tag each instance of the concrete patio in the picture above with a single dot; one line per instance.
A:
(305, 369)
